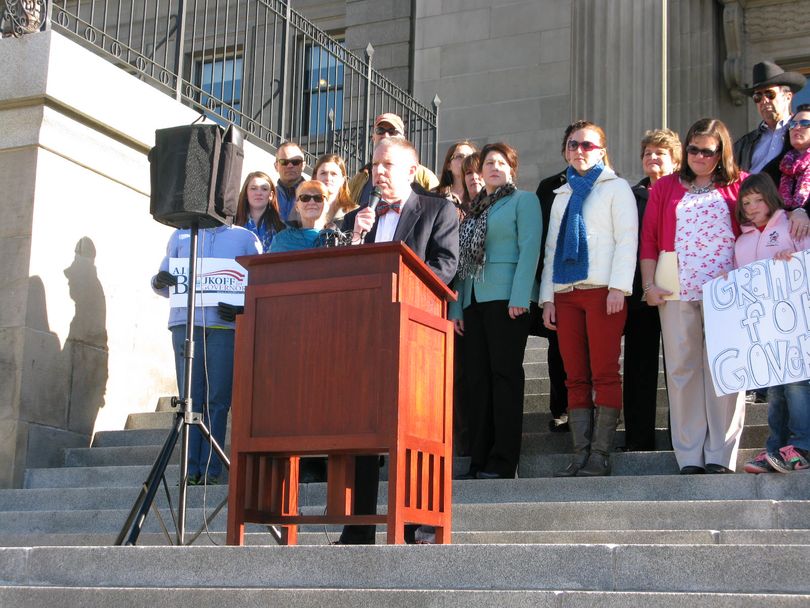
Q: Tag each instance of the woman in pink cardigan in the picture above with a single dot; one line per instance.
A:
(692, 213)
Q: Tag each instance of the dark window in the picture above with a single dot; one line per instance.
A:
(323, 82)
(221, 83)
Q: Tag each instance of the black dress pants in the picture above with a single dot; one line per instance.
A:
(494, 346)
(558, 394)
(366, 484)
(461, 417)
(642, 339)
(366, 489)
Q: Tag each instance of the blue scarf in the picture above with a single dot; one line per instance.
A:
(571, 254)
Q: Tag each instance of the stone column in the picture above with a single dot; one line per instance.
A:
(616, 58)
(617, 70)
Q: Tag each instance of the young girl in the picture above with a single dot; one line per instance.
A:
(766, 235)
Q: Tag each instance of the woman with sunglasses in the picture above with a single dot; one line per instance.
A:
(257, 208)
(331, 171)
(692, 213)
(499, 245)
(588, 270)
(307, 231)
(794, 185)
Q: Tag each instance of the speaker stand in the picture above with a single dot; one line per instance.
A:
(184, 418)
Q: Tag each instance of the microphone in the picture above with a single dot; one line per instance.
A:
(375, 198)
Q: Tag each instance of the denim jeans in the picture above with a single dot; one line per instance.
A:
(214, 359)
(789, 416)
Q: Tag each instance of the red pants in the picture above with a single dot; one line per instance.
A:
(590, 344)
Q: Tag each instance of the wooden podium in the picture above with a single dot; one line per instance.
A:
(340, 352)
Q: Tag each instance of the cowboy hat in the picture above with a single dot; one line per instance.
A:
(768, 74)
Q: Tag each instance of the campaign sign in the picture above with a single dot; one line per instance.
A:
(758, 325)
(218, 280)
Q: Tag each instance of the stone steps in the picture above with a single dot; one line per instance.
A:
(623, 463)
(536, 417)
(552, 537)
(494, 517)
(754, 435)
(774, 486)
(532, 541)
(532, 463)
(736, 569)
(179, 597)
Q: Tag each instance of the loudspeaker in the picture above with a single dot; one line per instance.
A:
(195, 174)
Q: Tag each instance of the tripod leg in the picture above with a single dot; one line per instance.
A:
(214, 444)
(140, 509)
(182, 498)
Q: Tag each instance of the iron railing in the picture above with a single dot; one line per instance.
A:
(258, 64)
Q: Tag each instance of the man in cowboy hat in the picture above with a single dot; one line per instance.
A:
(388, 125)
(763, 148)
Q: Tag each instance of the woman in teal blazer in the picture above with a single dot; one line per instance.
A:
(498, 254)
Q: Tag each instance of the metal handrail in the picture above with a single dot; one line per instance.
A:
(257, 64)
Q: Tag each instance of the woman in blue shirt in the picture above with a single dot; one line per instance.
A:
(498, 253)
(257, 208)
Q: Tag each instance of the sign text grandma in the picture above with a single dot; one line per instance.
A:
(758, 325)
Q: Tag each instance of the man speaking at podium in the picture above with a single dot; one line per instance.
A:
(426, 224)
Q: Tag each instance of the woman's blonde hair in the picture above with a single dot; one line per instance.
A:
(667, 139)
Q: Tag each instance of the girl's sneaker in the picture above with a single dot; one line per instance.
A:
(795, 458)
(759, 464)
(779, 462)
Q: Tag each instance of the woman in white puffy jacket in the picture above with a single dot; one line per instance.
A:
(590, 259)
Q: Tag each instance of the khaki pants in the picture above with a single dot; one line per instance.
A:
(705, 428)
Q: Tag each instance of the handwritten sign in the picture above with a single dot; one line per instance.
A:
(218, 280)
(758, 325)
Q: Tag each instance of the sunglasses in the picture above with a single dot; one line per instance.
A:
(799, 124)
(587, 146)
(290, 161)
(758, 96)
(383, 131)
(702, 152)
(459, 156)
(305, 198)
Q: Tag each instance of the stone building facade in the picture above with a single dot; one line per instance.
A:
(521, 70)
(82, 338)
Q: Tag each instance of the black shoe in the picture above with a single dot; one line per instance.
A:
(717, 468)
(488, 475)
(635, 448)
(692, 470)
(343, 542)
(559, 425)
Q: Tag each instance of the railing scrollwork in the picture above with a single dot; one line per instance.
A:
(258, 64)
(21, 17)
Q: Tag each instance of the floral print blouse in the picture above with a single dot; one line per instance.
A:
(704, 241)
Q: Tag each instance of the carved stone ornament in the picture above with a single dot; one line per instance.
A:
(777, 21)
(23, 16)
(733, 28)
